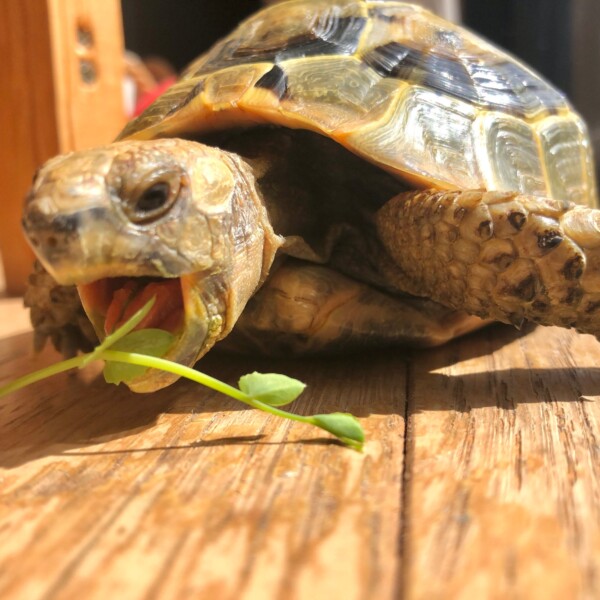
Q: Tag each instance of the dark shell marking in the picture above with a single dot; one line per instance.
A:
(393, 83)
(502, 86)
(275, 80)
(186, 99)
(329, 35)
(332, 35)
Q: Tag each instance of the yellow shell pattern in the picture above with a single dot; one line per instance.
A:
(393, 83)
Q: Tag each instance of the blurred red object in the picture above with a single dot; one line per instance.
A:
(147, 98)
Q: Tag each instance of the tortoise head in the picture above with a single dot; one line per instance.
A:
(168, 218)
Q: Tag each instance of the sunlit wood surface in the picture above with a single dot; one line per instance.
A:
(479, 479)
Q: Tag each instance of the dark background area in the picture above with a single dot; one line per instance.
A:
(537, 31)
(180, 30)
(558, 38)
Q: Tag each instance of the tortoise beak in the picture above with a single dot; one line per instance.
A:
(190, 307)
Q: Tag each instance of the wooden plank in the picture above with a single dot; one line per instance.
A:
(89, 69)
(180, 494)
(29, 129)
(585, 78)
(504, 493)
(63, 69)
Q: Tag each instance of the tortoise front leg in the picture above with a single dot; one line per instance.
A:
(504, 256)
(305, 308)
(56, 314)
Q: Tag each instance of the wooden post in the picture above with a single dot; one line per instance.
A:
(585, 76)
(62, 91)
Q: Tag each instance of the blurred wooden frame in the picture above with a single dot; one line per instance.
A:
(63, 64)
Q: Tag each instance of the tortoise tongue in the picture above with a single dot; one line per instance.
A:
(166, 313)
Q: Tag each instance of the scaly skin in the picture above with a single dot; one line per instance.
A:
(498, 255)
(308, 308)
(89, 220)
(57, 314)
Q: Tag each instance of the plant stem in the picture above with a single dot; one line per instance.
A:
(154, 362)
(30, 378)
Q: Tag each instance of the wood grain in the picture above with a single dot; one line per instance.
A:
(46, 105)
(89, 69)
(182, 494)
(29, 129)
(494, 494)
(504, 497)
(584, 78)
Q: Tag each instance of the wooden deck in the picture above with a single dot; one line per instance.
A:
(480, 479)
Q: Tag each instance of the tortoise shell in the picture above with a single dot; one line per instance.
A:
(395, 84)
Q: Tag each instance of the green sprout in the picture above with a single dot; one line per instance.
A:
(128, 353)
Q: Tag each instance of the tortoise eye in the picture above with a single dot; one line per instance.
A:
(154, 198)
(153, 201)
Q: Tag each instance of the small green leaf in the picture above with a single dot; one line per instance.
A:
(344, 426)
(119, 333)
(271, 388)
(151, 342)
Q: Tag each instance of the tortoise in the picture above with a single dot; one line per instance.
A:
(333, 175)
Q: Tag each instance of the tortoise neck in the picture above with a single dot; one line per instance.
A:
(254, 243)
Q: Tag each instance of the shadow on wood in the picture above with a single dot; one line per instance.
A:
(78, 410)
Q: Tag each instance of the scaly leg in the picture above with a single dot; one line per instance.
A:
(497, 255)
(305, 308)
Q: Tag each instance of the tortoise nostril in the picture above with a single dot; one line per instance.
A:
(51, 241)
(66, 223)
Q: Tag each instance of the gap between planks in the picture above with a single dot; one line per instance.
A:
(502, 486)
(492, 492)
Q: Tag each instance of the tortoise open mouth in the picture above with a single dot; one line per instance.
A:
(111, 301)
(179, 308)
